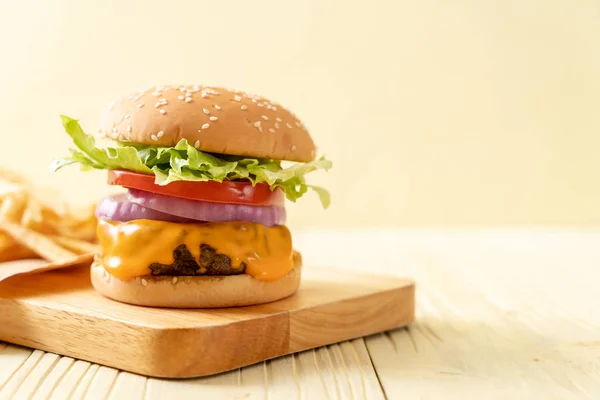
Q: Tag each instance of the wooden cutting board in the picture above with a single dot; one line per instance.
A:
(59, 311)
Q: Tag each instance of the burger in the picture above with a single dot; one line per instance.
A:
(201, 220)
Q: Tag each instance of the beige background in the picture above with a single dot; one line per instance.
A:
(485, 112)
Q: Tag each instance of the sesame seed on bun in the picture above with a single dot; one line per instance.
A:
(212, 119)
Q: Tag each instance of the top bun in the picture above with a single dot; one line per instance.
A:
(212, 119)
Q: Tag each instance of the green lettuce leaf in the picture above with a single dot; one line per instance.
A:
(184, 162)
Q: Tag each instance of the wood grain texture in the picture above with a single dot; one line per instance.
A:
(60, 312)
(501, 314)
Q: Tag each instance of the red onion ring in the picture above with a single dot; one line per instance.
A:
(119, 208)
(208, 211)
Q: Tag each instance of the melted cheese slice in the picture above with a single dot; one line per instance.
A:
(129, 248)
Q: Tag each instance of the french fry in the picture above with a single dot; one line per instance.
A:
(11, 250)
(47, 198)
(11, 176)
(27, 266)
(16, 252)
(12, 207)
(37, 242)
(37, 227)
(7, 189)
(79, 229)
(6, 240)
(77, 246)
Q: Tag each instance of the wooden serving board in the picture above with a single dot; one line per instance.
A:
(59, 311)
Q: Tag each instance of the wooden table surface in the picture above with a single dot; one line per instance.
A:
(506, 314)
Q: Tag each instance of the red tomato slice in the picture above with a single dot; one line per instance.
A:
(235, 192)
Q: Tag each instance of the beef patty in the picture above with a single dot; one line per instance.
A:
(210, 263)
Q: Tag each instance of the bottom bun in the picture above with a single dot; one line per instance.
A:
(195, 291)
